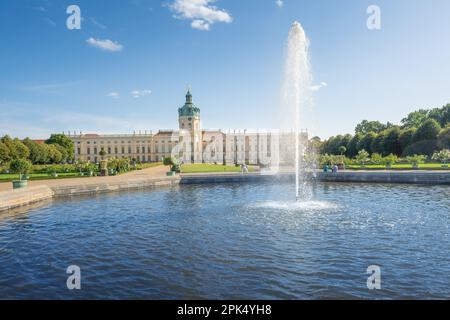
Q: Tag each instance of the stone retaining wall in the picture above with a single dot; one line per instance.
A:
(22, 197)
(92, 189)
(430, 178)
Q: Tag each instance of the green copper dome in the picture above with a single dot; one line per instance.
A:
(189, 109)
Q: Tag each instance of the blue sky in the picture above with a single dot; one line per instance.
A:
(129, 65)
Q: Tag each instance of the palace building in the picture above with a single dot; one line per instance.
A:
(190, 143)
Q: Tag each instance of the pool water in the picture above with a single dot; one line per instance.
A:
(232, 241)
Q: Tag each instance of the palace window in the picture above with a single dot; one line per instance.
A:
(88, 150)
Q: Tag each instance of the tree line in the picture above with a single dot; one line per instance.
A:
(56, 150)
(422, 132)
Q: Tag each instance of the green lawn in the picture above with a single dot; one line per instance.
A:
(422, 166)
(205, 168)
(6, 177)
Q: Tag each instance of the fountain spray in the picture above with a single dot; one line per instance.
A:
(297, 87)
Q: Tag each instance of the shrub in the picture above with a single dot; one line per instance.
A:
(415, 160)
(362, 158)
(442, 156)
(376, 158)
(389, 160)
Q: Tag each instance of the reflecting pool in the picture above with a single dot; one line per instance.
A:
(232, 241)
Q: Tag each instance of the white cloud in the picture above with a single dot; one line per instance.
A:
(319, 86)
(279, 3)
(140, 93)
(114, 95)
(106, 45)
(200, 25)
(201, 12)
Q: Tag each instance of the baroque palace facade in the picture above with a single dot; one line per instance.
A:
(190, 143)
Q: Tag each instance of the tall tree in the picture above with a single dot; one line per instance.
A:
(371, 126)
(21, 149)
(4, 153)
(427, 131)
(63, 141)
(444, 138)
(366, 142)
(352, 146)
(12, 151)
(415, 119)
(390, 143)
(441, 115)
(406, 138)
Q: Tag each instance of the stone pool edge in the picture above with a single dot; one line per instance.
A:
(23, 197)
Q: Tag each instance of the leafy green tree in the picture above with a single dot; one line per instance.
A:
(406, 138)
(371, 126)
(54, 155)
(20, 166)
(441, 115)
(366, 142)
(444, 138)
(427, 131)
(64, 154)
(12, 152)
(390, 143)
(331, 146)
(22, 151)
(415, 119)
(38, 151)
(352, 146)
(424, 147)
(43, 153)
(63, 141)
(342, 150)
(4, 153)
(377, 143)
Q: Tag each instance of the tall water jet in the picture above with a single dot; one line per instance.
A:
(297, 90)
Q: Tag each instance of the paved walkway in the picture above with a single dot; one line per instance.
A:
(155, 172)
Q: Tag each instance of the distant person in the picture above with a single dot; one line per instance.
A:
(325, 168)
(335, 169)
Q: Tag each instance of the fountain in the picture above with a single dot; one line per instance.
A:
(297, 96)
